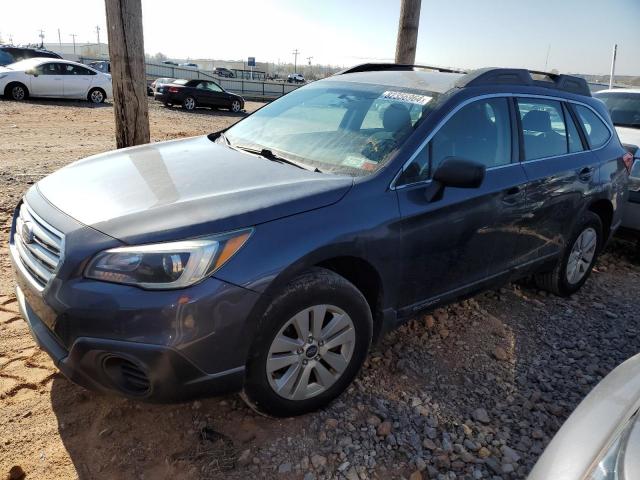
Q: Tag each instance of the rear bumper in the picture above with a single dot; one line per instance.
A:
(138, 370)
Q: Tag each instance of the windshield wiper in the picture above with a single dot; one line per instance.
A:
(269, 155)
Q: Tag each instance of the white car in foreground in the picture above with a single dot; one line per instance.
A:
(601, 438)
(54, 78)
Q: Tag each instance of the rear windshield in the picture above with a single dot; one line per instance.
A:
(340, 127)
(624, 108)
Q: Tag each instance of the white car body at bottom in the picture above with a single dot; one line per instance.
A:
(55, 78)
(601, 438)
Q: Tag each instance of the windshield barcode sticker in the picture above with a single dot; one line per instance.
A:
(407, 97)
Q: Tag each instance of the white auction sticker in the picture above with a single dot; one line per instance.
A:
(407, 97)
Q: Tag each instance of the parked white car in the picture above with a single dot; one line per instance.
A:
(624, 106)
(54, 78)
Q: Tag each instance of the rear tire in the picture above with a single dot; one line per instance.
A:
(189, 104)
(321, 360)
(578, 258)
(16, 91)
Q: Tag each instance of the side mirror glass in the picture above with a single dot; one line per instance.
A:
(459, 173)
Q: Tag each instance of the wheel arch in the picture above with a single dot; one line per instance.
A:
(7, 88)
(604, 209)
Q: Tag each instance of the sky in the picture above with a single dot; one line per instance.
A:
(577, 35)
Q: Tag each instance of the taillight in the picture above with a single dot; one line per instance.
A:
(173, 89)
(627, 158)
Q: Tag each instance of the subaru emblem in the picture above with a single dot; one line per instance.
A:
(26, 232)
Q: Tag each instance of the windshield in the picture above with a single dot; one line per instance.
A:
(340, 127)
(624, 108)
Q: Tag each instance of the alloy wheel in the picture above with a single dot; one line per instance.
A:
(189, 103)
(235, 106)
(310, 352)
(97, 96)
(581, 256)
(18, 92)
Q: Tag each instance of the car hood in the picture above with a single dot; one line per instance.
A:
(630, 136)
(182, 188)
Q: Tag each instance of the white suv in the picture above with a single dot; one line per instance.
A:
(295, 78)
(624, 107)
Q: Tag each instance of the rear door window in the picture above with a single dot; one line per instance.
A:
(597, 132)
(543, 128)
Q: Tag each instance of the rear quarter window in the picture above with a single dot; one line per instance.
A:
(597, 132)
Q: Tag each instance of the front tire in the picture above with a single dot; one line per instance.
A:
(189, 103)
(236, 106)
(580, 254)
(96, 95)
(310, 344)
(16, 91)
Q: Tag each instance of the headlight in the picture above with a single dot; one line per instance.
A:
(166, 265)
(610, 463)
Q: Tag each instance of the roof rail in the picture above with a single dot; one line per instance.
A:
(521, 76)
(378, 67)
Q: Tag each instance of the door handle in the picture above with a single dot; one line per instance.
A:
(586, 173)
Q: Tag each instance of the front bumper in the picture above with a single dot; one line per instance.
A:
(137, 370)
(178, 343)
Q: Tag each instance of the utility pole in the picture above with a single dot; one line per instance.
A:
(73, 35)
(295, 60)
(613, 65)
(408, 32)
(309, 60)
(98, 34)
(126, 52)
(41, 35)
(60, 41)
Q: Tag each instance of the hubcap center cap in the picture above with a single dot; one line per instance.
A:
(312, 351)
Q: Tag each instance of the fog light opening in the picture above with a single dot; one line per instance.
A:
(126, 376)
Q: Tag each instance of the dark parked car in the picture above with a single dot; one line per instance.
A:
(224, 72)
(9, 55)
(269, 256)
(192, 94)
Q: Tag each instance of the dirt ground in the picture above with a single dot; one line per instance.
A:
(522, 357)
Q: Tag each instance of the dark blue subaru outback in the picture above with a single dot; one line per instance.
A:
(266, 258)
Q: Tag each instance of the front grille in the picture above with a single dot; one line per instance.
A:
(38, 245)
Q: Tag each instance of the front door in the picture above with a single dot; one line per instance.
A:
(466, 236)
(47, 81)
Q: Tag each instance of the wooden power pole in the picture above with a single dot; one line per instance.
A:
(408, 32)
(126, 53)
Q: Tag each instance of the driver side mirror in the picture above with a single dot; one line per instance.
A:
(455, 172)
(459, 173)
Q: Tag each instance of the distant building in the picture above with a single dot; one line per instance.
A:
(73, 52)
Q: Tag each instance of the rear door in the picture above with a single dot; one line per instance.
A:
(77, 80)
(47, 80)
(560, 172)
(469, 234)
